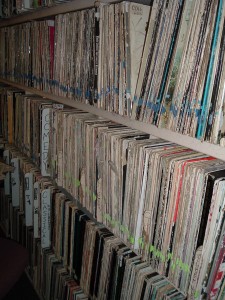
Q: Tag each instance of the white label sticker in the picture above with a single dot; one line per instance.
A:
(15, 182)
(29, 199)
(7, 177)
(45, 141)
(45, 218)
(36, 209)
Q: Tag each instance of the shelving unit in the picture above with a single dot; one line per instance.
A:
(207, 148)
(41, 13)
(186, 141)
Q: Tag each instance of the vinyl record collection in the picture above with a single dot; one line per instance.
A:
(71, 257)
(162, 64)
(181, 85)
(10, 8)
(70, 54)
(164, 201)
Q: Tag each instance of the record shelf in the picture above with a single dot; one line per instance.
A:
(79, 206)
(183, 140)
(210, 149)
(51, 11)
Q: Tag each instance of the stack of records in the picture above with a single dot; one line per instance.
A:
(92, 55)
(181, 79)
(156, 196)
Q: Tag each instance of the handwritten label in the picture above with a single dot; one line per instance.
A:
(45, 218)
(7, 177)
(45, 141)
(36, 209)
(137, 10)
(15, 182)
(29, 199)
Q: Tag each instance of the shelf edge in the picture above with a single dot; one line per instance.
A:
(51, 11)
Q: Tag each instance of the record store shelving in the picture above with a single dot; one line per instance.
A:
(195, 144)
(184, 140)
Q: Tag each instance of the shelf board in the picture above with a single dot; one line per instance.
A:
(51, 11)
(184, 140)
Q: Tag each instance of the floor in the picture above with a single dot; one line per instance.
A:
(23, 289)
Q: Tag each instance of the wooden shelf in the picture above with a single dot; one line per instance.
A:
(184, 140)
(51, 11)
